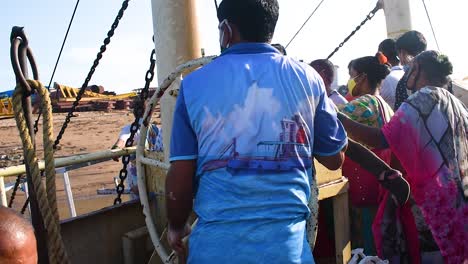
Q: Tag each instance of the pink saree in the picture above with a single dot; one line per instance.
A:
(428, 134)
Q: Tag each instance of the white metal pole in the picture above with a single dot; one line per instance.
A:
(26, 192)
(68, 191)
(3, 197)
(176, 38)
(398, 17)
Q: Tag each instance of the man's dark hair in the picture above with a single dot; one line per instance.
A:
(412, 42)
(388, 48)
(326, 66)
(255, 19)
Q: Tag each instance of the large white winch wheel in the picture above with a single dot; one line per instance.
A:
(142, 159)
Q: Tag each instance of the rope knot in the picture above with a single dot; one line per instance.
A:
(31, 88)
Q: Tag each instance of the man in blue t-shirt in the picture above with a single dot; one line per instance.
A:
(246, 130)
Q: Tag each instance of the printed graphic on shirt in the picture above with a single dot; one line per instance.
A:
(284, 148)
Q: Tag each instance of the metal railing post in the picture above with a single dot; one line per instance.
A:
(3, 197)
(68, 191)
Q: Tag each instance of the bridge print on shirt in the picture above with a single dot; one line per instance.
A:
(286, 150)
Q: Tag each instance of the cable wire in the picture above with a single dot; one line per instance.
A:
(430, 23)
(63, 43)
(307, 20)
(57, 62)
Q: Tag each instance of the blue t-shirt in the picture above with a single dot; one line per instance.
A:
(253, 119)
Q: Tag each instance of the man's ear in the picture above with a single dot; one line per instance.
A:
(227, 36)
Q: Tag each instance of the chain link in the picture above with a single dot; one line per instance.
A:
(36, 123)
(25, 205)
(15, 189)
(78, 97)
(91, 72)
(368, 17)
(139, 110)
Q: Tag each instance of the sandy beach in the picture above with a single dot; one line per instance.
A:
(87, 132)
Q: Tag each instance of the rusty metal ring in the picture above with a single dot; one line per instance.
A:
(15, 63)
(32, 62)
(18, 32)
(20, 53)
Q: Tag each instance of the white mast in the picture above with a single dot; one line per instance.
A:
(398, 17)
(176, 38)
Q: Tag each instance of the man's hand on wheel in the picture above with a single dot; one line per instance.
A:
(175, 237)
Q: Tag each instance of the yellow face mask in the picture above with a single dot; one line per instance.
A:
(352, 85)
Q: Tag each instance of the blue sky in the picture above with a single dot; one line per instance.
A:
(126, 60)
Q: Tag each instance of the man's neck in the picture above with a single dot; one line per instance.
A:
(246, 41)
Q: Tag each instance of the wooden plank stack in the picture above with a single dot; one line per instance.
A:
(62, 107)
(124, 104)
(94, 99)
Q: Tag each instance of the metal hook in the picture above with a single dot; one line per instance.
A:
(380, 5)
(20, 54)
(18, 32)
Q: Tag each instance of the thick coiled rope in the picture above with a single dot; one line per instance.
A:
(46, 196)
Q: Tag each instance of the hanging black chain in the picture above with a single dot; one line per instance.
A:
(36, 123)
(103, 48)
(15, 189)
(91, 71)
(25, 205)
(139, 110)
(368, 17)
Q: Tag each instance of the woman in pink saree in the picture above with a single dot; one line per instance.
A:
(429, 135)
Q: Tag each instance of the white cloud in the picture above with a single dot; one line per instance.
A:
(306, 107)
(259, 107)
(259, 102)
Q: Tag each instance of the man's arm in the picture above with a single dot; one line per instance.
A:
(369, 136)
(333, 162)
(179, 200)
(179, 189)
(120, 143)
(179, 185)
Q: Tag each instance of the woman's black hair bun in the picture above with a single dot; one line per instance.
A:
(444, 64)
